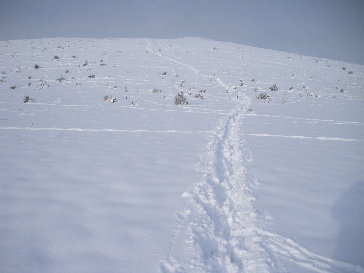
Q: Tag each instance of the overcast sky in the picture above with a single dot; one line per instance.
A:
(323, 28)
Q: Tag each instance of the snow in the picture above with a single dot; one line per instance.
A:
(240, 179)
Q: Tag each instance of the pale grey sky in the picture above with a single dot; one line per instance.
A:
(322, 28)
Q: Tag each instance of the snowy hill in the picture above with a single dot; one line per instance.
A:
(186, 155)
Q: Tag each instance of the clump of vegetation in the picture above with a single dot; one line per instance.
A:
(91, 76)
(350, 72)
(60, 79)
(263, 96)
(42, 83)
(28, 99)
(36, 66)
(200, 94)
(13, 87)
(110, 99)
(180, 99)
(274, 87)
(155, 90)
(86, 63)
(56, 57)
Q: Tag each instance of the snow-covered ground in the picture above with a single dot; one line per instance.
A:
(262, 170)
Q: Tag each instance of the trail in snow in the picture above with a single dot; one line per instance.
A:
(220, 230)
(219, 227)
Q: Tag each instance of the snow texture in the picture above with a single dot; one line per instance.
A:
(260, 170)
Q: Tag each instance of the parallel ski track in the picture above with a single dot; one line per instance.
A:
(221, 230)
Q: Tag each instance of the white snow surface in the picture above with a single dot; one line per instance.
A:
(262, 170)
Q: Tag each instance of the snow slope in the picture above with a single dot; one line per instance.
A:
(260, 172)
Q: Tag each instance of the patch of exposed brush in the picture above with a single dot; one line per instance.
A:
(263, 97)
(110, 99)
(28, 99)
(274, 87)
(180, 99)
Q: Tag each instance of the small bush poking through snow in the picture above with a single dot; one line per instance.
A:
(13, 87)
(60, 79)
(274, 87)
(56, 57)
(180, 99)
(263, 96)
(28, 99)
(110, 99)
(199, 96)
(36, 66)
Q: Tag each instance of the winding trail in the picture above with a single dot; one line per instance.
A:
(221, 230)
(218, 230)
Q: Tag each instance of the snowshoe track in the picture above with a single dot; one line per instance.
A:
(221, 224)
(221, 230)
